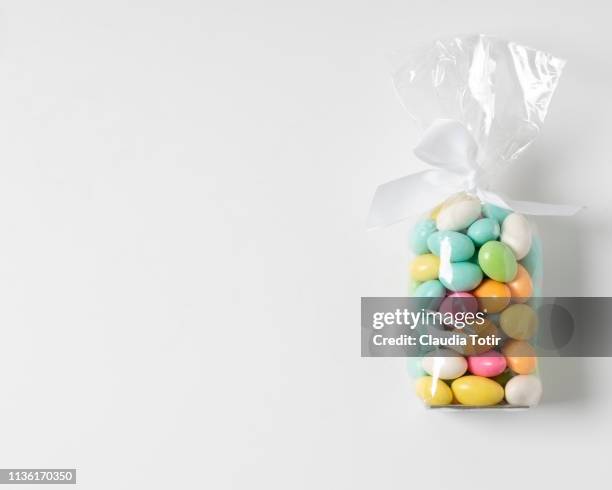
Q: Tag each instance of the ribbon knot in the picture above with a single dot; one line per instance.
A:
(449, 147)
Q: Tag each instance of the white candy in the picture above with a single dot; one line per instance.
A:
(444, 364)
(458, 213)
(516, 233)
(524, 389)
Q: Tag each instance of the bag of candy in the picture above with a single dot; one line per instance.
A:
(480, 102)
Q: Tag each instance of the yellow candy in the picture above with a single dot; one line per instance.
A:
(519, 321)
(477, 391)
(431, 393)
(425, 267)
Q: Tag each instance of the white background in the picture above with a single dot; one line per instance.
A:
(183, 191)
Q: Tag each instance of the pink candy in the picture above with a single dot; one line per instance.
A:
(459, 302)
(488, 364)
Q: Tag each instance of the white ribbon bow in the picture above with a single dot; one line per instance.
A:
(450, 147)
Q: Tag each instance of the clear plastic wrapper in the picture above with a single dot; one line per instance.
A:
(480, 101)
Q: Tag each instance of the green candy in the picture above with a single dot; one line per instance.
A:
(455, 246)
(497, 261)
(460, 276)
(495, 212)
(420, 234)
(504, 377)
(484, 230)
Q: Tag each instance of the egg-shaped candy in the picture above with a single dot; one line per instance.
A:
(460, 276)
(519, 321)
(430, 289)
(504, 377)
(412, 286)
(430, 294)
(433, 391)
(479, 336)
(425, 267)
(459, 302)
(493, 296)
(458, 212)
(521, 287)
(520, 356)
(524, 389)
(495, 212)
(415, 367)
(444, 364)
(516, 233)
(487, 364)
(497, 261)
(477, 391)
(451, 246)
(484, 230)
(420, 234)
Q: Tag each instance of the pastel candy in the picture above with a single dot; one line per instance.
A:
(432, 292)
(420, 234)
(458, 212)
(495, 212)
(415, 368)
(430, 289)
(524, 389)
(433, 391)
(425, 267)
(497, 261)
(450, 246)
(516, 233)
(444, 364)
(484, 230)
(488, 364)
(459, 302)
(519, 321)
(493, 296)
(520, 356)
(504, 377)
(460, 276)
(479, 338)
(521, 287)
(412, 286)
(477, 391)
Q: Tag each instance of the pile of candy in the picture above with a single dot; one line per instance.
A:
(487, 258)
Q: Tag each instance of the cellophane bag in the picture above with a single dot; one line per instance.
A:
(480, 102)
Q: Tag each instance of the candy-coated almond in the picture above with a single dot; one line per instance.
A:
(488, 364)
(425, 267)
(520, 356)
(524, 389)
(493, 296)
(444, 364)
(519, 321)
(516, 233)
(521, 287)
(433, 391)
(497, 261)
(458, 212)
(477, 391)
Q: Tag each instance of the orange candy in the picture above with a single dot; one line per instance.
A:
(521, 286)
(493, 296)
(520, 356)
